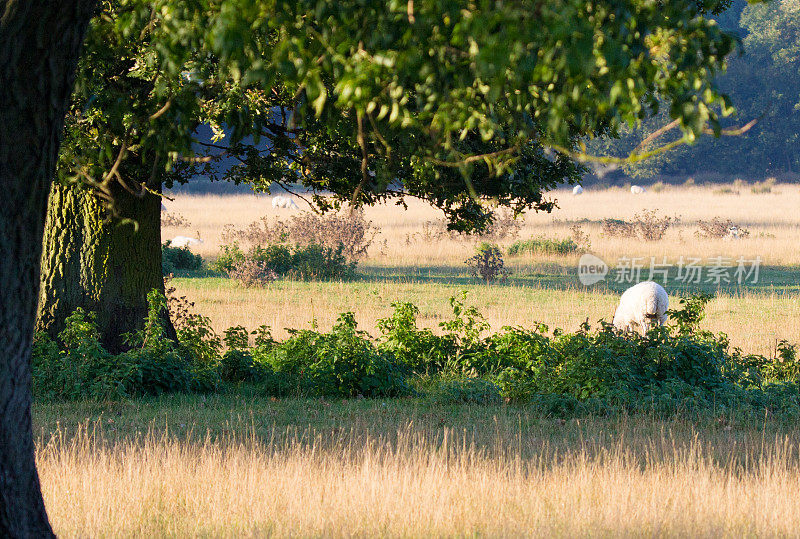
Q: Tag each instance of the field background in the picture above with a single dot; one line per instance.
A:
(238, 463)
(403, 266)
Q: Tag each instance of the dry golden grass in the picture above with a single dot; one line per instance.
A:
(765, 215)
(627, 480)
(409, 469)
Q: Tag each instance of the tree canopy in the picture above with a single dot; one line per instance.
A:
(446, 101)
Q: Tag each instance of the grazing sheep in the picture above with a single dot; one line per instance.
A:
(577, 190)
(283, 202)
(184, 241)
(641, 307)
(637, 189)
(733, 234)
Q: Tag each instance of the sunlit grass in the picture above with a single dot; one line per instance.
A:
(316, 468)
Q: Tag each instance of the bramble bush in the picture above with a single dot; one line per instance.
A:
(543, 246)
(261, 265)
(675, 368)
(179, 258)
(487, 263)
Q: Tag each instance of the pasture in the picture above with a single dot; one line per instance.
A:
(405, 265)
(237, 463)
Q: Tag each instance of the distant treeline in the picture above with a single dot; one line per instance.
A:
(763, 82)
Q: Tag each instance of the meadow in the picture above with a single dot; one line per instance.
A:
(238, 463)
(405, 265)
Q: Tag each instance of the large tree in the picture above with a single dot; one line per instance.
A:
(39, 46)
(429, 87)
(150, 75)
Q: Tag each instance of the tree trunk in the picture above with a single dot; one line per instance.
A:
(39, 47)
(102, 264)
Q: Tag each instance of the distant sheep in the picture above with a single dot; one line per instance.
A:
(184, 241)
(641, 307)
(637, 189)
(283, 202)
(577, 190)
(733, 234)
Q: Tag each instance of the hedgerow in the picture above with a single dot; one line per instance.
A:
(673, 368)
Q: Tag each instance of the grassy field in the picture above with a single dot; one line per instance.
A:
(403, 266)
(240, 464)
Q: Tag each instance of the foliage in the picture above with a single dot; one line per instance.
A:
(261, 265)
(674, 368)
(348, 228)
(252, 272)
(646, 226)
(543, 245)
(719, 228)
(386, 100)
(342, 363)
(77, 366)
(487, 263)
(179, 258)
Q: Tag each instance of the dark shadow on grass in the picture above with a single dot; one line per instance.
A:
(778, 279)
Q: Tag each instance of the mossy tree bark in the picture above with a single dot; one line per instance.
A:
(100, 263)
(39, 47)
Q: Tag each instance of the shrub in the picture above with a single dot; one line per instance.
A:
(78, 367)
(503, 225)
(647, 226)
(543, 246)
(349, 229)
(174, 219)
(718, 228)
(342, 363)
(580, 238)
(251, 272)
(674, 369)
(262, 265)
(487, 263)
(179, 258)
(418, 349)
(463, 390)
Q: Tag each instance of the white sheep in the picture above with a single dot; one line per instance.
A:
(284, 202)
(641, 307)
(184, 241)
(733, 234)
(577, 190)
(637, 189)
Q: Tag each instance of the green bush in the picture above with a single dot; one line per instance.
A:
(543, 246)
(77, 366)
(487, 263)
(342, 363)
(679, 368)
(464, 390)
(179, 258)
(306, 262)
